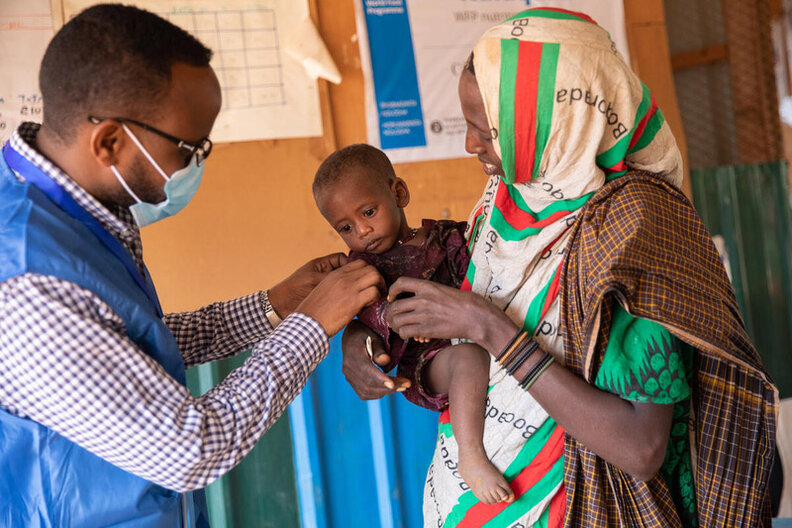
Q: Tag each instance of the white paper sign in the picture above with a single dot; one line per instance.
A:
(412, 53)
(25, 31)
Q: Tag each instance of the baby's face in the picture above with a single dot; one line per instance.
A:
(363, 210)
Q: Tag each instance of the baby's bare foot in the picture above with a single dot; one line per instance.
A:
(484, 479)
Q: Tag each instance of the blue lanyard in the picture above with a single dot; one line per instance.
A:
(60, 197)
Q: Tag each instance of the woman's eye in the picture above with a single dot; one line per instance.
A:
(368, 212)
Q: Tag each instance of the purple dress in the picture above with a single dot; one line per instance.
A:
(443, 258)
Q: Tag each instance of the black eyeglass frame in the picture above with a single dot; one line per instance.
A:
(201, 149)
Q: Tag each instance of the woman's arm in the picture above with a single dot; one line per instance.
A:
(630, 435)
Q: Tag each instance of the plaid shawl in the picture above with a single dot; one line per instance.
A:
(639, 242)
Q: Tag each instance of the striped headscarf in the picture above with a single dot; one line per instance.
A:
(567, 114)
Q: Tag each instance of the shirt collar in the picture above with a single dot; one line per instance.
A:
(119, 223)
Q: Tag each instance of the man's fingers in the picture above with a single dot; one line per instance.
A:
(355, 265)
(366, 276)
(329, 262)
(370, 295)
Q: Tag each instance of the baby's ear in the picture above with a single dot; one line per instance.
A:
(400, 192)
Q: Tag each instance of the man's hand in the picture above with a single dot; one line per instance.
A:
(291, 291)
(368, 381)
(342, 294)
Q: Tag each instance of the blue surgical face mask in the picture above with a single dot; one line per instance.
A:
(180, 187)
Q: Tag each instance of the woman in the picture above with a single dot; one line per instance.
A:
(583, 245)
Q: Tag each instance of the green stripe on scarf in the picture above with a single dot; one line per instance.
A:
(530, 449)
(541, 13)
(471, 273)
(474, 231)
(529, 452)
(544, 100)
(534, 314)
(617, 152)
(507, 232)
(528, 501)
(445, 430)
(649, 133)
(509, 55)
(560, 205)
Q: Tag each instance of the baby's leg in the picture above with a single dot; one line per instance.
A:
(462, 371)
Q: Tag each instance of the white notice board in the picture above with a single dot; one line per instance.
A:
(267, 93)
(267, 55)
(25, 30)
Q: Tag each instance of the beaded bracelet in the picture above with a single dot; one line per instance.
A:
(521, 356)
(516, 343)
(530, 378)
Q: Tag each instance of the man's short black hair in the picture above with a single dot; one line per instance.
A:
(358, 155)
(113, 60)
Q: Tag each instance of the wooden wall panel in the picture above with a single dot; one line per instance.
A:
(254, 220)
(651, 60)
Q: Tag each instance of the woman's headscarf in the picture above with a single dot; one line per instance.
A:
(567, 114)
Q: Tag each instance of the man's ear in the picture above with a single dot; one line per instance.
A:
(400, 192)
(107, 139)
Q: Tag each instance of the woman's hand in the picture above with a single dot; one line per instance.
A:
(360, 371)
(442, 312)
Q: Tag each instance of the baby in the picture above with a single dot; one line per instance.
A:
(358, 193)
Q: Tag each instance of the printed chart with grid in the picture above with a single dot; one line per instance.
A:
(246, 53)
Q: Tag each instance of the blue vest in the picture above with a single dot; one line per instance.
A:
(45, 479)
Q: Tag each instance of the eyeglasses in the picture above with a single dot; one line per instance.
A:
(201, 149)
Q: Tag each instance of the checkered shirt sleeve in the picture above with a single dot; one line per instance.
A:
(219, 330)
(67, 363)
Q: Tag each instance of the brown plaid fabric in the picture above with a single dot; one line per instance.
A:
(639, 242)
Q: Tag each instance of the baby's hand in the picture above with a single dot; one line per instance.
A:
(422, 339)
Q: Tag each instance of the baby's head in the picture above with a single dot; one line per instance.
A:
(358, 193)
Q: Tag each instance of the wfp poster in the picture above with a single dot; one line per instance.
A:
(412, 53)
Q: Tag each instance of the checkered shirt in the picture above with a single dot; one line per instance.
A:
(67, 363)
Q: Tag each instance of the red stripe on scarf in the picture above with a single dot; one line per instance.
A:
(480, 513)
(552, 292)
(472, 233)
(621, 166)
(568, 12)
(466, 286)
(555, 517)
(516, 217)
(642, 125)
(525, 92)
(445, 417)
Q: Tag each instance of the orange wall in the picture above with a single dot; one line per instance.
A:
(253, 220)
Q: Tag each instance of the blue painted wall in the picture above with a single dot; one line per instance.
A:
(358, 464)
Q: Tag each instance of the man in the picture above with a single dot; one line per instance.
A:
(96, 425)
